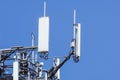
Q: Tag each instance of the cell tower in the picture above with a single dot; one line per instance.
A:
(26, 65)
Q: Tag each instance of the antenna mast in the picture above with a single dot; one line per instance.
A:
(33, 54)
(74, 21)
(74, 16)
(44, 7)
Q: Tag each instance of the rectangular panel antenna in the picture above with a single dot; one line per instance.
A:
(77, 41)
(43, 35)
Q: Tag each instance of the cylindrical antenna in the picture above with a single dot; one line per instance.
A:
(44, 7)
(74, 22)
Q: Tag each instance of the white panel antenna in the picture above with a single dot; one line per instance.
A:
(77, 41)
(43, 35)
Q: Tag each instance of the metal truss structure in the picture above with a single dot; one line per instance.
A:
(23, 62)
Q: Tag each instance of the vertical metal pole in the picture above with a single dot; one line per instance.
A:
(36, 58)
(0, 55)
(56, 63)
(44, 7)
(41, 69)
(16, 68)
(74, 22)
(74, 16)
(36, 61)
(33, 55)
(46, 76)
(29, 70)
(37, 70)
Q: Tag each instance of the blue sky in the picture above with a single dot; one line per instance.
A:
(100, 33)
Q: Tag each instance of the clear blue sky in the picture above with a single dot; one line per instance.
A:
(100, 53)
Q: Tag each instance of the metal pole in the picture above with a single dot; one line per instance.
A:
(44, 7)
(33, 55)
(16, 68)
(55, 64)
(29, 69)
(74, 22)
(46, 76)
(53, 71)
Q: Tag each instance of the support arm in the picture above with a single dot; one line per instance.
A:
(53, 72)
